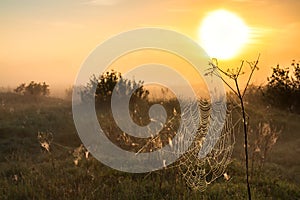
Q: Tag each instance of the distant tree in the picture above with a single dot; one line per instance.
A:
(104, 86)
(296, 75)
(20, 88)
(296, 87)
(279, 87)
(283, 88)
(33, 88)
(68, 93)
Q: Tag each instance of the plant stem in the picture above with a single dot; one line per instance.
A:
(245, 138)
(240, 95)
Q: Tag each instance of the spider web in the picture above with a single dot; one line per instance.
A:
(200, 172)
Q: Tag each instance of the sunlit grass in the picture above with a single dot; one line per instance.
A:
(28, 171)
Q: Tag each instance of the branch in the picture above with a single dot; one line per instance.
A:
(225, 83)
(252, 71)
(216, 67)
(240, 69)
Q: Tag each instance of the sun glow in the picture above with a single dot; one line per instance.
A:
(222, 34)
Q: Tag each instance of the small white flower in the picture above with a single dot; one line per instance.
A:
(76, 162)
(46, 146)
(87, 154)
(134, 144)
(257, 149)
(170, 142)
(16, 178)
(226, 176)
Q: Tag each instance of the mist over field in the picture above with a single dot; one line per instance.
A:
(115, 99)
(42, 155)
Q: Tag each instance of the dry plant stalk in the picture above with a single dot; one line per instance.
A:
(265, 137)
(234, 76)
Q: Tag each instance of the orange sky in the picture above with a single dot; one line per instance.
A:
(48, 41)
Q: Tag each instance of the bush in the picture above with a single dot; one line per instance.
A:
(283, 88)
(105, 84)
(33, 88)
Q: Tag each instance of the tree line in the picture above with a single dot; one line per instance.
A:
(281, 91)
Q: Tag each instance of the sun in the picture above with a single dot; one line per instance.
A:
(222, 34)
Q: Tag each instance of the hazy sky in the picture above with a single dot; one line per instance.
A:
(48, 40)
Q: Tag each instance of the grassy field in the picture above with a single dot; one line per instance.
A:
(28, 171)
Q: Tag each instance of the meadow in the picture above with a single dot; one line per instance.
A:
(30, 171)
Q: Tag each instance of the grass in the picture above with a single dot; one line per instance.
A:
(29, 172)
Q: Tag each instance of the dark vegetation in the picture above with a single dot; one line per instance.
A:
(139, 106)
(29, 169)
(283, 88)
(33, 88)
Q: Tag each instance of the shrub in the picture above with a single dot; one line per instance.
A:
(33, 88)
(283, 88)
(106, 82)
